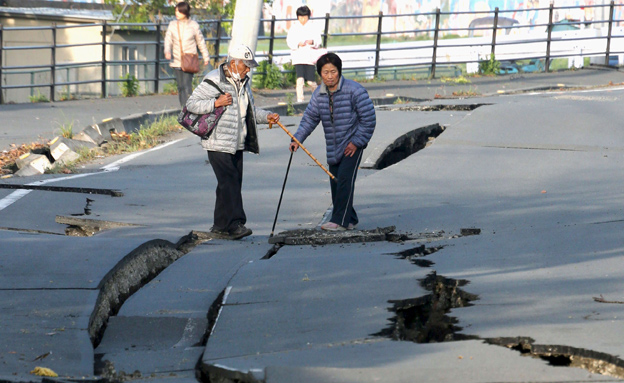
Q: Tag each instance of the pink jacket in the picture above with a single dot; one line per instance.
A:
(191, 39)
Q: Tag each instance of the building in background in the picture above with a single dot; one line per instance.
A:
(83, 64)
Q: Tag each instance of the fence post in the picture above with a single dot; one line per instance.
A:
(435, 44)
(378, 46)
(218, 42)
(272, 38)
(1, 65)
(548, 38)
(494, 30)
(326, 33)
(103, 59)
(157, 64)
(608, 52)
(53, 63)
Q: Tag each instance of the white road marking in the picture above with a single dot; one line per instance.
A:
(112, 167)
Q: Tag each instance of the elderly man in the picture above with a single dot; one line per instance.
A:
(235, 132)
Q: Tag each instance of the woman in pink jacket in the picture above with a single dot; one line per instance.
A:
(192, 38)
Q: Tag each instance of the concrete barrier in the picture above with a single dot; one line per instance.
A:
(30, 164)
(65, 150)
(91, 134)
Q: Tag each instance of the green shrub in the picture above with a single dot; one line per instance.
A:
(489, 67)
(290, 77)
(130, 85)
(268, 76)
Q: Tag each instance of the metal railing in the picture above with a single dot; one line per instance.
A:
(425, 48)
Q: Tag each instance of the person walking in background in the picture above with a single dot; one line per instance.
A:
(304, 40)
(348, 117)
(235, 132)
(187, 31)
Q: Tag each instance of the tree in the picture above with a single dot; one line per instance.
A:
(145, 11)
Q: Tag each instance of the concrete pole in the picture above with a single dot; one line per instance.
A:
(247, 16)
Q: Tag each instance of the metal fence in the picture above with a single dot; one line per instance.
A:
(114, 50)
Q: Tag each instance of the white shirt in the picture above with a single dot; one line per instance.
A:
(299, 33)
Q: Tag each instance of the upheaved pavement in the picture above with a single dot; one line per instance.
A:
(506, 244)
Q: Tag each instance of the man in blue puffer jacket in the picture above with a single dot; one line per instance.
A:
(348, 117)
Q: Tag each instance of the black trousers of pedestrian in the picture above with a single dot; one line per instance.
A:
(343, 187)
(185, 85)
(228, 169)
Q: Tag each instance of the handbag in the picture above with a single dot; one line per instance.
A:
(189, 61)
(201, 124)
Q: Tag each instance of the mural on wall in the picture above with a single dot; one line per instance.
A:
(420, 13)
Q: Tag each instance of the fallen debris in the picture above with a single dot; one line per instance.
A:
(317, 237)
(602, 300)
(83, 227)
(43, 371)
(469, 231)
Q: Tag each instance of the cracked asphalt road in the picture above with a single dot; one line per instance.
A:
(538, 173)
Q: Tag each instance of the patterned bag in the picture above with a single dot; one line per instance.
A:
(201, 124)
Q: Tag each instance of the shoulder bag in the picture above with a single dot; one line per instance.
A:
(202, 124)
(189, 62)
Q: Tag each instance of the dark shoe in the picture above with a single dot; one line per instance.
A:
(240, 232)
(218, 233)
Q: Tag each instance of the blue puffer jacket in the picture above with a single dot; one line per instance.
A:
(354, 118)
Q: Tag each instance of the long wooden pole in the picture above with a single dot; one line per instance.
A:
(304, 149)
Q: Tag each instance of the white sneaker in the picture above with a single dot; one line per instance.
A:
(330, 226)
(352, 226)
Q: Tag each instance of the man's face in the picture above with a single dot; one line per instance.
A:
(239, 67)
(330, 76)
(303, 19)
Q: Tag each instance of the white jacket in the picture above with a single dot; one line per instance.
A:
(302, 32)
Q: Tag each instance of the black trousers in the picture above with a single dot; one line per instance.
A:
(228, 169)
(185, 85)
(343, 187)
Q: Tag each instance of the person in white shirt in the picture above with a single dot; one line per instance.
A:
(304, 39)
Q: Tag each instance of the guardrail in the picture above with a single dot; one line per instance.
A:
(425, 49)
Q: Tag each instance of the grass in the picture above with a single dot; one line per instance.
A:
(171, 88)
(147, 137)
(67, 130)
(39, 97)
(455, 80)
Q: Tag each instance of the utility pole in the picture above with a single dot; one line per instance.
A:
(247, 16)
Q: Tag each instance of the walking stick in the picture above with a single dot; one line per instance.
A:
(305, 150)
(281, 195)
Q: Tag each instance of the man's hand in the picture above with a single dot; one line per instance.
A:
(223, 100)
(350, 149)
(273, 118)
(206, 61)
(294, 146)
(168, 55)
